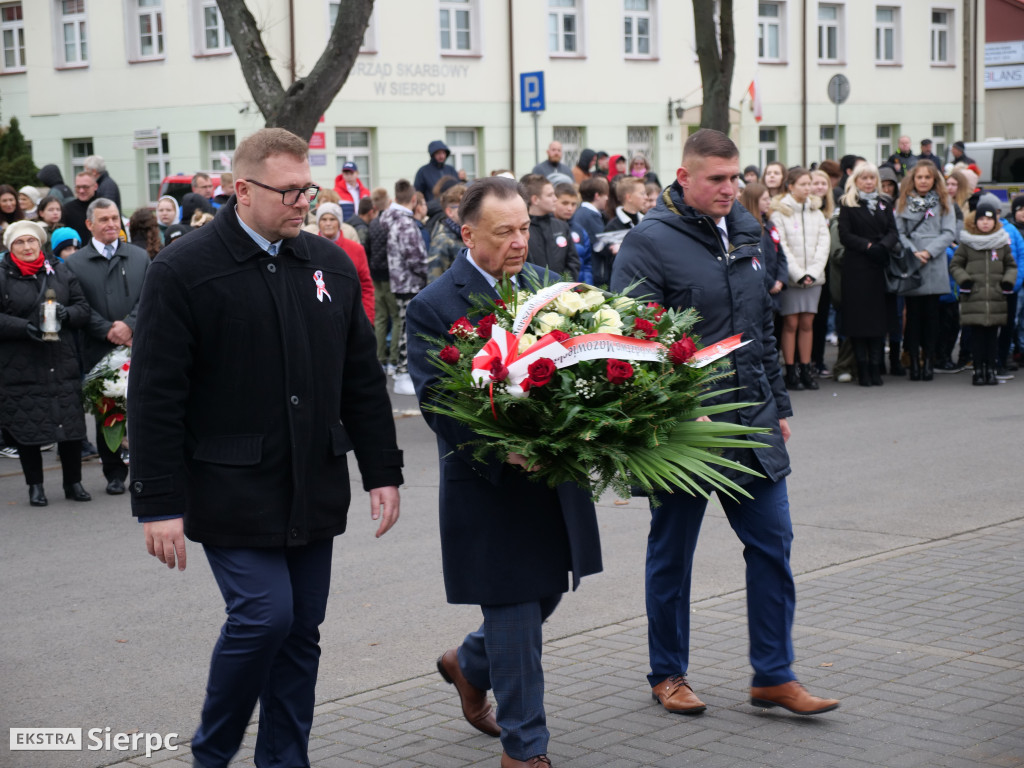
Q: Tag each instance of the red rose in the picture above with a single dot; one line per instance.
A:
(682, 350)
(450, 355)
(501, 304)
(483, 328)
(541, 371)
(619, 371)
(498, 370)
(462, 328)
(658, 310)
(645, 328)
(558, 335)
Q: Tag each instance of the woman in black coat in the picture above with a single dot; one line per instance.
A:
(867, 230)
(40, 390)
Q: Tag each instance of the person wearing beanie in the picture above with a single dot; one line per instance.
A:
(889, 182)
(62, 239)
(1017, 213)
(751, 174)
(28, 201)
(959, 154)
(984, 269)
(328, 222)
(1004, 362)
(40, 384)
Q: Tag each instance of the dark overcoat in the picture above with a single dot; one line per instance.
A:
(112, 289)
(247, 390)
(504, 537)
(863, 285)
(681, 260)
(40, 389)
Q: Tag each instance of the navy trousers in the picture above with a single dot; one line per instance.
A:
(762, 523)
(504, 655)
(268, 651)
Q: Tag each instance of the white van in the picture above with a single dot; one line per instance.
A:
(1001, 162)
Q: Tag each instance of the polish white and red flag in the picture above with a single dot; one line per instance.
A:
(754, 91)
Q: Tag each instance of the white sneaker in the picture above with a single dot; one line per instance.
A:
(390, 369)
(832, 339)
(844, 378)
(403, 384)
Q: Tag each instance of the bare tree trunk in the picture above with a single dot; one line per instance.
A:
(299, 107)
(717, 56)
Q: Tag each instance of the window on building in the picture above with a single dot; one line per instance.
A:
(942, 36)
(828, 146)
(565, 27)
(641, 140)
(771, 31)
(885, 140)
(458, 25)
(887, 35)
(571, 138)
(369, 44)
(353, 145)
(221, 148)
(158, 165)
(148, 23)
(940, 139)
(12, 37)
(210, 36)
(768, 145)
(638, 28)
(830, 32)
(73, 48)
(463, 145)
(77, 150)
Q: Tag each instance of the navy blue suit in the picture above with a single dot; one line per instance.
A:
(508, 543)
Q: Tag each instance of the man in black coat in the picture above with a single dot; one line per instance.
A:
(111, 274)
(507, 543)
(699, 248)
(73, 210)
(253, 375)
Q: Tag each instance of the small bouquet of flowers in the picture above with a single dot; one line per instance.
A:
(590, 387)
(106, 394)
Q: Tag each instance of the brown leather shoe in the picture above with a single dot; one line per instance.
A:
(676, 695)
(475, 707)
(537, 761)
(791, 696)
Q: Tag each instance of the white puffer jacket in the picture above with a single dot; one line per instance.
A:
(804, 237)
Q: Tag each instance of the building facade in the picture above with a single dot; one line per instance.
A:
(154, 86)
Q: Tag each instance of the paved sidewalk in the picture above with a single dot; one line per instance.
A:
(924, 646)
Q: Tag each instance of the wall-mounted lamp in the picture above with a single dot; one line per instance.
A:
(678, 110)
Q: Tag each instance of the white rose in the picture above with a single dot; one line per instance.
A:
(607, 320)
(592, 299)
(527, 341)
(568, 303)
(624, 304)
(548, 321)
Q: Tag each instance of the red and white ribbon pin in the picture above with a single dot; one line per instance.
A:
(321, 286)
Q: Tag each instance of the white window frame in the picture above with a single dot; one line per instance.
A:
(160, 158)
(14, 30)
(199, 46)
(463, 154)
(76, 23)
(768, 149)
(631, 37)
(895, 28)
(941, 133)
(942, 33)
(370, 42)
(764, 24)
(134, 15)
(557, 16)
(886, 138)
(571, 138)
(449, 9)
(640, 139)
(77, 150)
(213, 153)
(828, 141)
(361, 155)
(838, 27)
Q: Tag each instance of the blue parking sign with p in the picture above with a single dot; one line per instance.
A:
(531, 92)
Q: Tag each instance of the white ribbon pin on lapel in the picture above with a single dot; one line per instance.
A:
(321, 286)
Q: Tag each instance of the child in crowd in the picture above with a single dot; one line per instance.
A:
(565, 209)
(985, 270)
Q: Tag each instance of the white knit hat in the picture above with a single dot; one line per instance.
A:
(332, 208)
(31, 193)
(23, 227)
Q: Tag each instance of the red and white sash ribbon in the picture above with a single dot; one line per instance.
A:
(321, 287)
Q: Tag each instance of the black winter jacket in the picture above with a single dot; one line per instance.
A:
(247, 391)
(551, 246)
(40, 391)
(679, 255)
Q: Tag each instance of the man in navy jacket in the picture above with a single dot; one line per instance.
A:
(699, 247)
(508, 543)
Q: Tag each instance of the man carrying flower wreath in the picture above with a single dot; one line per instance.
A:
(699, 248)
(507, 543)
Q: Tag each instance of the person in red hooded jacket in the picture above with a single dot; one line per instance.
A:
(350, 189)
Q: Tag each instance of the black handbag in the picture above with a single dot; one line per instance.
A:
(903, 272)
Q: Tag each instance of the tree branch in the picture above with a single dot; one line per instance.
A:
(257, 67)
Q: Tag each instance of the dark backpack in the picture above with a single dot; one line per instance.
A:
(377, 251)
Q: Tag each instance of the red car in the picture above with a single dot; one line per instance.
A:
(180, 184)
